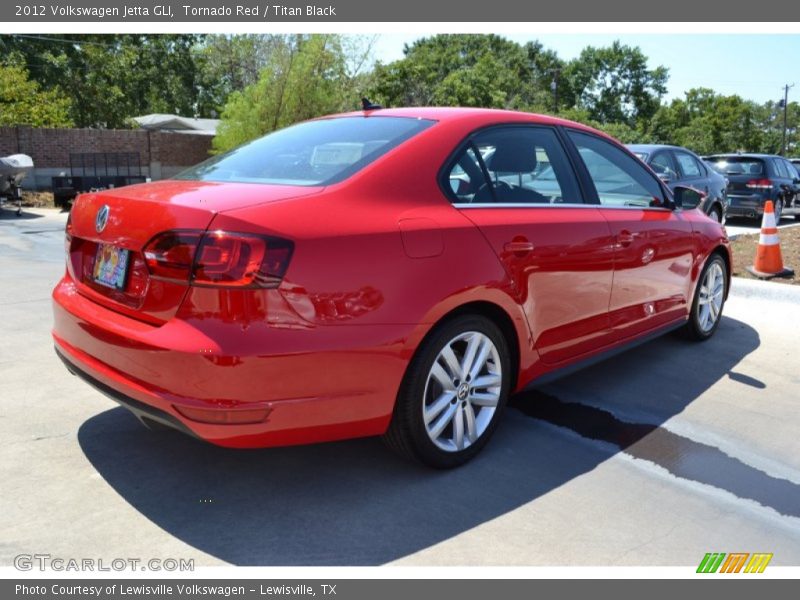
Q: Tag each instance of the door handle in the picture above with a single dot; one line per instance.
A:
(625, 238)
(519, 247)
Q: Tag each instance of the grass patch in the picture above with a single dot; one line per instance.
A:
(744, 253)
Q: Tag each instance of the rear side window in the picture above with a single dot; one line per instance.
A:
(312, 153)
(688, 165)
(513, 165)
(620, 180)
(783, 171)
(735, 165)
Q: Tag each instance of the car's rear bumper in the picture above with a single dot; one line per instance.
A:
(746, 205)
(313, 384)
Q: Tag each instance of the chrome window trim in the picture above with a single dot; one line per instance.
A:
(555, 205)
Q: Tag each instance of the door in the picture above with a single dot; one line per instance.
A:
(518, 186)
(653, 244)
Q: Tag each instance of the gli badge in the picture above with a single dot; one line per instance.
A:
(101, 220)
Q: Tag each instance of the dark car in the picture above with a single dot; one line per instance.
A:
(754, 179)
(796, 163)
(679, 166)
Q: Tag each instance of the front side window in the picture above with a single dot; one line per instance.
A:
(513, 165)
(662, 165)
(313, 153)
(620, 180)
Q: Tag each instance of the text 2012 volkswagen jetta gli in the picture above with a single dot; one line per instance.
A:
(388, 272)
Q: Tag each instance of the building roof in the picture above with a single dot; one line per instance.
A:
(178, 124)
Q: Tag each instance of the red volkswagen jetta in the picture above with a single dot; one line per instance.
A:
(387, 272)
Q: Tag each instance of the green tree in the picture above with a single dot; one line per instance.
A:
(302, 79)
(615, 84)
(467, 70)
(23, 102)
(230, 63)
(708, 122)
(112, 78)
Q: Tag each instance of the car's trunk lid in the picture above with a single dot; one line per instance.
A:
(135, 215)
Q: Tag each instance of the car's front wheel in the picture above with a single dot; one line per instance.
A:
(453, 394)
(709, 299)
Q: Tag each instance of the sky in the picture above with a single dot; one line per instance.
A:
(755, 67)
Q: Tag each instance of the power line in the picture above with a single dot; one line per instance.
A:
(62, 40)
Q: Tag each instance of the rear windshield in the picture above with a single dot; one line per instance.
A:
(734, 165)
(312, 153)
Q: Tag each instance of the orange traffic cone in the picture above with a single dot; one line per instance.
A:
(769, 262)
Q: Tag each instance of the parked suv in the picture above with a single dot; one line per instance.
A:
(679, 166)
(754, 179)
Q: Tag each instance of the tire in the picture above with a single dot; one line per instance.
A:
(459, 407)
(716, 214)
(703, 321)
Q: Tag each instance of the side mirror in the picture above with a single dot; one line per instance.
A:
(687, 197)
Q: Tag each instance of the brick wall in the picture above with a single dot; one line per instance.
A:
(50, 148)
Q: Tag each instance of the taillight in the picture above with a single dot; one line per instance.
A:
(170, 255)
(219, 258)
(759, 184)
(241, 260)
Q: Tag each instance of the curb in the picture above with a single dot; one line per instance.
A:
(764, 290)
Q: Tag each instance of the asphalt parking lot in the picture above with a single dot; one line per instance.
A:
(653, 457)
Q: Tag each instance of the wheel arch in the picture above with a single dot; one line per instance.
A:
(724, 252)
(499, 316)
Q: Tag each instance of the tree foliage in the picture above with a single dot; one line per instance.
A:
(23, 102)
(305, 76)
(259, 83)
(615, 85)
(111, 78)
(467, 70)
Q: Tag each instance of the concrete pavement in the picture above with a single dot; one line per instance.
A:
(653, 457)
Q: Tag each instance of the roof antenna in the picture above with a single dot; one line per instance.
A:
(366, 104)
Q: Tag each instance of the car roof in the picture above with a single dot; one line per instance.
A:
(743, 155)
(481, 116)
(653, 147)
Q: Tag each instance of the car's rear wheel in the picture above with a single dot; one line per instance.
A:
(453, 394)
(716, 214)
(709, 299)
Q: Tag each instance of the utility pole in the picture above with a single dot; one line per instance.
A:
(786, 89)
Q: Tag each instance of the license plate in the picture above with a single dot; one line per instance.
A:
(111, 266)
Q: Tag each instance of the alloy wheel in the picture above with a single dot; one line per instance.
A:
(709, 303)
(462, 391)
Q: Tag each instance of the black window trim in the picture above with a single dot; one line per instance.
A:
(443, 177)
(669, 203)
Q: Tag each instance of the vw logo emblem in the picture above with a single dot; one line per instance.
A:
(102, 218)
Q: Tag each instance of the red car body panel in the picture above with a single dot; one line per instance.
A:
(378, 260)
